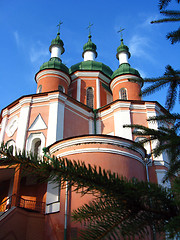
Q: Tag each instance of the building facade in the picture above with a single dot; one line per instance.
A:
(78, 113)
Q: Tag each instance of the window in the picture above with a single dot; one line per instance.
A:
(37, 147)
(35, 143)
(39, 89)
(60, 88)
(123, 94)
(89, 97)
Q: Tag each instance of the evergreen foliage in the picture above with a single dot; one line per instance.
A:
(171, 16)
(121, 208)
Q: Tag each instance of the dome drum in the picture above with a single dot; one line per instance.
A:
(106, 151)
(52, 80)
(129, 83)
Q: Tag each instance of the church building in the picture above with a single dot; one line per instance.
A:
(77, 113)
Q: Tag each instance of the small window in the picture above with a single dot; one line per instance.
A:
(123, 94)
(60, 88)
(37, 147)
(39, 89)
(90, 97)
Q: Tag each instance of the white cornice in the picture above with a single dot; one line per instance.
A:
(45, 72)
(126, 76)
(102, 150)
(121, 105)
(161, 163)
(138, 106)
(80, 74)
(96, 140)
(79, 109)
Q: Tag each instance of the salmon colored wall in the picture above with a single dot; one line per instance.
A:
(107, 124)
(51, 83)
(74, 124)
(85, 83)
(133, 90)
(22, 225)
(103, 95)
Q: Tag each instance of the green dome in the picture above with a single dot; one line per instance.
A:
(54, 63)
(91, 66)
(125, 68)
(89, 46)
(122, 48)
(58, 42)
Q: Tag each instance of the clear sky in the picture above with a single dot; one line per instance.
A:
(28, 26)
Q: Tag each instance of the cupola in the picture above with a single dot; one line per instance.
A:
(53, 75)
(89, 50)
(126, 81)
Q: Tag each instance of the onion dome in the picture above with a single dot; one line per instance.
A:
(125, 68)
(54, 63)
(89, 50)
(57, 42)
(91, 66)
(56, 49)
(122, 49)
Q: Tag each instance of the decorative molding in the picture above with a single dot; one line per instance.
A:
(12, 126)
(100, 150)
(45, 72)
(90, 74)
(97, 140)
(38, 124)
(125, 76)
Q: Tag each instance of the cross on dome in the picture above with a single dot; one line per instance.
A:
(120, 31)
(89, 27)
(59, 27)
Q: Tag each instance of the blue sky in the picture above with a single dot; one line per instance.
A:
(28, 26)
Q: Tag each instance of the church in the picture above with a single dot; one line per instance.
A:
(77, 113)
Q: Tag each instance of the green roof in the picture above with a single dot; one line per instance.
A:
(91, 66)
(54, 63)
(58, 42)
(125, 68)
(122, 48)
(89, 46)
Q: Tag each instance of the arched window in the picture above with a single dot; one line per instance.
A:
(35, 143)
(90, 97)
(11, 146)
(39, 89)
(37, 147)
(60, 88)
(123, 94)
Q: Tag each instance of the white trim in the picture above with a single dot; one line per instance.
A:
(98, 97)
(82, 74)
(22, 127)
(97, 140)
(79, 109)
(122, 118)
(125, 76)
(45, 72)
(91, 126)
(78, 90)
(101, 150)
(31, 138)
(80, 115)
(65, 80)
(12, 126)
(138, 106)
(3, 127)
(160, 173)
(38, 124)
(55, 122)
